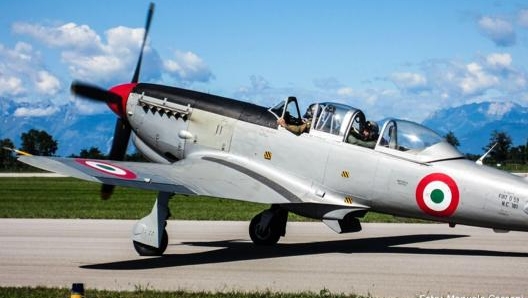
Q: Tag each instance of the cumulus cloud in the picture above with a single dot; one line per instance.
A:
(453, 80)
(499, 60)
(36, 112)
(110, 62)
(187, 66)
(22, 73)
(97, 68)
(101, 59)
(11, 69)
(112, 58)
(408, 81)
(512, 80)
(333, 87)
(10, 86)
(68, 35)
(476, 80)
(500, 31)
(87, 56)
(46, 83)
(438, 83)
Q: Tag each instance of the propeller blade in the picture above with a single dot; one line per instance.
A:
(118, 151)
(135, 78)
(120, 141)
(117, 102)
(94, 93)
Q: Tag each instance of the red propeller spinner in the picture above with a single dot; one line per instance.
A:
(123, 90)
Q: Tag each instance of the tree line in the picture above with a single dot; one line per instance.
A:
(39, 142)
(503, 152)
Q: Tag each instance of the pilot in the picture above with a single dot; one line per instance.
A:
(367, 137)
(304, 127)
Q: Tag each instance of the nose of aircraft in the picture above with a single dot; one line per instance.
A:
(123, 91)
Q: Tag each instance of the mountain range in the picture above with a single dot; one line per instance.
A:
(72, 131)
(472, 124)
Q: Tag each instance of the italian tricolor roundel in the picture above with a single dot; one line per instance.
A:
(437, 195)
(108, 168)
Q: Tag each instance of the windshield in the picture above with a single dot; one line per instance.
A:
(414, 141)
(405, 135)
(331, 118)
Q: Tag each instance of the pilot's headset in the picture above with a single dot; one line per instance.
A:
(373, 128)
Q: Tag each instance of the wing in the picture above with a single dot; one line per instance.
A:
(216, 176)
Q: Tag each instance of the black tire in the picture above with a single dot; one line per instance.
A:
(149, 251)
(260, 235)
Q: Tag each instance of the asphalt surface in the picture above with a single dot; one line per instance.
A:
(383, 260)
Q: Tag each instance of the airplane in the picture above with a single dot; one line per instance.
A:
(204, 144)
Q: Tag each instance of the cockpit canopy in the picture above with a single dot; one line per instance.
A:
(334, 118)
(412, 140)
(405, 135)
(401, 138)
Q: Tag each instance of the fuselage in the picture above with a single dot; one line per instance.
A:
(435, 182)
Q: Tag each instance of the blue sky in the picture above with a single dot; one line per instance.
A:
(402, 58)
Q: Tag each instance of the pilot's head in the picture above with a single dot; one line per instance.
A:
(373, 128)
(311, 111)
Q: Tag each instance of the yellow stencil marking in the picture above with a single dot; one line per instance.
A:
(267, 155)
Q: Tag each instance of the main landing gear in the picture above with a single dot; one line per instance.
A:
(268, 226)
(150, 237)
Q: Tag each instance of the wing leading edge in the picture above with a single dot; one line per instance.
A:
(138, 175)
(211, 176)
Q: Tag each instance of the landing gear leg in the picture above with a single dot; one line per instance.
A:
(149, 236)
(268, 226)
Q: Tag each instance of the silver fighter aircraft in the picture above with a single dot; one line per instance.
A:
(333, 166)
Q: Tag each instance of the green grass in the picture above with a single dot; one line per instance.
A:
(41, 292)
(72, 198)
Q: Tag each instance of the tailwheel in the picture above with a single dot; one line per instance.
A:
(267, 227)
(147, 250)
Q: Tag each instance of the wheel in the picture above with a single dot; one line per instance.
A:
(147, 250)
(262, 233)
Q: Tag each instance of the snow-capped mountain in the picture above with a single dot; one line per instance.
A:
(474, 123)
(72, 130)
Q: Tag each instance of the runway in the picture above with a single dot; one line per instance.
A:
(383, 260)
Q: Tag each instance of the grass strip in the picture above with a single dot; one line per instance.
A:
(43, 292)
(42, 197)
